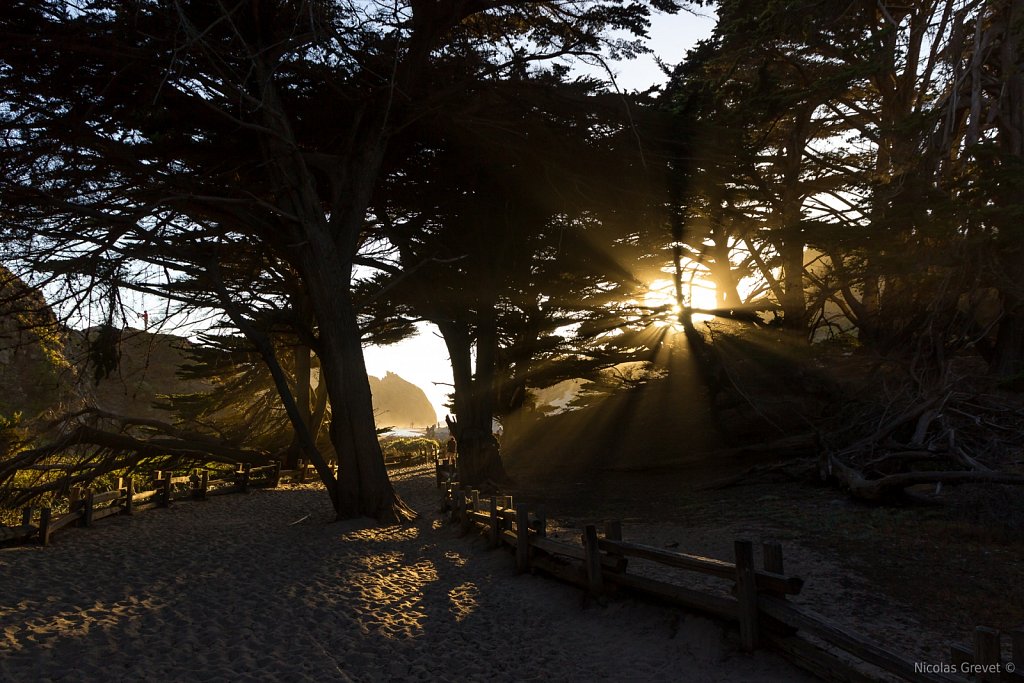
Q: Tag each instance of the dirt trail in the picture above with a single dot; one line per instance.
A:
(232, 590)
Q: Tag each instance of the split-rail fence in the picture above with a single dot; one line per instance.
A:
(758, 602)
(132, 495)
(84, 506)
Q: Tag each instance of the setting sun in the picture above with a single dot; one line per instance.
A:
(699, 294)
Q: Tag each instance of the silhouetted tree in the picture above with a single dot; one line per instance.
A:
(181, 131)
(507, 228)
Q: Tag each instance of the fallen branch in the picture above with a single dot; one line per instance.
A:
(110, 452)
(913, 413)
(86, 435)
(885, 488)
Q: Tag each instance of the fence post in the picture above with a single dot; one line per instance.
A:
(522, 539)
(595, 582)
(746, 594)
(44, 526)
(204, 484)
(244, 479)
(495, 526)
(26, 516)
(475, 498)
(129, 504)
(74, 498)
(276, 481)
(302, 471)
(87, 509)
(464, 518)
(76, 502)
(987, 653)
(164, 496)
(452, 497)
(509, 505)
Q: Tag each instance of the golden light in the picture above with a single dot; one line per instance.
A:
(697, 294)
(703, 295)
(661, 295)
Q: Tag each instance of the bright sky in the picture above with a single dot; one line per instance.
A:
(423, 359)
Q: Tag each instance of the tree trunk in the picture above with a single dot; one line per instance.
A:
(722, 273)
(479, 454)
(324, 246)
(791, 247)
(363, 488)
(794, 303)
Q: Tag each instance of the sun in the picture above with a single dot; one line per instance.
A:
(661, 296)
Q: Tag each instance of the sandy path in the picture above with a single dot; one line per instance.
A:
(227, 590)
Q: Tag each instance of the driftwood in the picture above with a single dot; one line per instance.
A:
(876, 427)
(880, 468)
(890, 486)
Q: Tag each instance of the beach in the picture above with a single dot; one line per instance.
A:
(266, 587)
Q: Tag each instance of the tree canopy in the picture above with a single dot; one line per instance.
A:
(220, 145)
(324, 174)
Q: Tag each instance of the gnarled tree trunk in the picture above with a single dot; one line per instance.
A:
(479, 454)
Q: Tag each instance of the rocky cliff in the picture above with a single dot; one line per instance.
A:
(398, 403)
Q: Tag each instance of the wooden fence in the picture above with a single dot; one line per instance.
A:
(758, 600)
(86, 507)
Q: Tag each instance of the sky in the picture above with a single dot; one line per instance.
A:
(423, 359)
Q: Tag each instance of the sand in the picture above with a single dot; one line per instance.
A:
(232, 590)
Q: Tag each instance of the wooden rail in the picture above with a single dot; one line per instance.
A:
(757, 602)
(86, 507)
